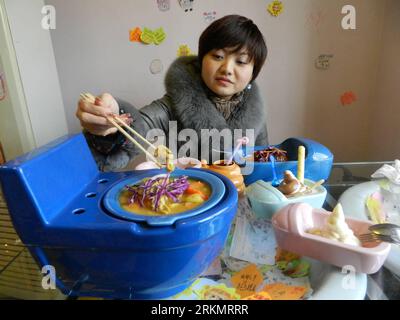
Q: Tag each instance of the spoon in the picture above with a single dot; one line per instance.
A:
(317, 184)
(275, 181)
(387, 229)
(240, 143)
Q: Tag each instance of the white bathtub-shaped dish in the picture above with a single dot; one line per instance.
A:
(266, 200)
(292, 222)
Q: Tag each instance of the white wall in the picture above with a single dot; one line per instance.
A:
(15, 129)
(93, 53)
(385, 120)
(37, 70)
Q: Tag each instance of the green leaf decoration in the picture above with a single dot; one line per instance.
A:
(159, 36)
(147, 36)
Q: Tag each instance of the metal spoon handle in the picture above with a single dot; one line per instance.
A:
(385, 229)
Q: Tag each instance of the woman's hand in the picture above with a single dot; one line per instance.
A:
(93, 117)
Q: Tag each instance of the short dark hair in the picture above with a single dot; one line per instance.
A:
(234, 31)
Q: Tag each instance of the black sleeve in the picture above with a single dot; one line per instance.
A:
(114, 151)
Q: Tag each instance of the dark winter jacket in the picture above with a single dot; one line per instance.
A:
(187, 102)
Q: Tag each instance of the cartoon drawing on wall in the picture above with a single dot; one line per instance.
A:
(2, 87)
(164, 5)
(275, 8)
(156, 66)
(134, 34)
(209, 16)
(323, 61)
(348, 98)
(184, 51)
(186, 5)
(316, 18)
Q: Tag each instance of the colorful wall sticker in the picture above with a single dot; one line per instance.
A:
(323, 62)
(184, 51)
(275, 8)
(156, 66)
(159, 36)
(348, 98)
(186, 5)
(209, 16)
(134, 34)
(164, 5)
(149, 36)
(247, 280)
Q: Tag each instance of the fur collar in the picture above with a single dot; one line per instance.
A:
(192, 108)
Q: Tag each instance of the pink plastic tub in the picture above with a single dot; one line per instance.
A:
(292, 222)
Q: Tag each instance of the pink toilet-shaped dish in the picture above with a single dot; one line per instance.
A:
(292, 222)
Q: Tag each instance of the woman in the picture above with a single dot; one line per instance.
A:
(214, 90)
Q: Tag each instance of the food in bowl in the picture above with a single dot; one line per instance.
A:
(336, 228)
(164, 195)
(280, 155)
(292, 222)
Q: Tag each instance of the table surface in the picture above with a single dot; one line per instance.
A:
(21, 278)
(383, 285)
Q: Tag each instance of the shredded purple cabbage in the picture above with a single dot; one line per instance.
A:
(155, 189)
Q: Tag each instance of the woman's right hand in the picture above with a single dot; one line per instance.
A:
(93, 117)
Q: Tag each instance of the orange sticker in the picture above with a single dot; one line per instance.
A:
(348, 98)
(259, 296)
(247, 280)
(134, 35)
(281, 291)
(283, 255)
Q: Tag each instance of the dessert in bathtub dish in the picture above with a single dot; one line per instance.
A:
(318, 160)
(266, 199)
(328, 237)
(336, 228)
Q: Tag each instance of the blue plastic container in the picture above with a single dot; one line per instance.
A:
(318, 161)
(55, 198)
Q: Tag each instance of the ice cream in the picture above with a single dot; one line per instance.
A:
(337, 229)
(291, 186)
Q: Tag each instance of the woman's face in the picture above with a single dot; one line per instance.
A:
(225, 72)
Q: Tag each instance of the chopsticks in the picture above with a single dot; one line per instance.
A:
(114, 119)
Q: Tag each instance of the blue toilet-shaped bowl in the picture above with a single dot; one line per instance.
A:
(318, 161)
(65, 212)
